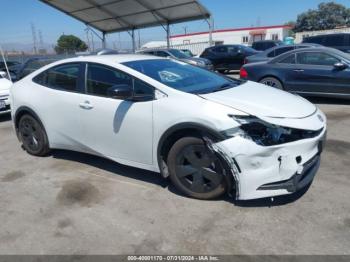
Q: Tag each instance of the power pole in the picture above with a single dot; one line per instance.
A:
(41, 41)
(35, 43)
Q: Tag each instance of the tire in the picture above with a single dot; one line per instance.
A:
(272, 81)
(33, 136)
(195, 171)
(222, 71)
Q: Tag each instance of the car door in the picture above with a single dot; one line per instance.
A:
(117, 128)
(220, 57)
(315, 73)
(61, 90)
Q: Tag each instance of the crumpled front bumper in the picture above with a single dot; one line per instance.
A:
(274, 170)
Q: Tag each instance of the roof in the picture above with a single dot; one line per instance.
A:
(235, 30)
(110, 16)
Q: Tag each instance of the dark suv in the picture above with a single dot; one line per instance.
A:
(337, 41)
(228, 57)
(266, 44)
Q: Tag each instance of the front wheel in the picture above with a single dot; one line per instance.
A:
(273, 82)
(33, 136)
(195, 170)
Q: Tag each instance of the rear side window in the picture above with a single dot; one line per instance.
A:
(288, 60)
(283, 50)
(100, 78)
(220, 49)
(314, 40)
(335, 40)
(63, 77)
(316, 58)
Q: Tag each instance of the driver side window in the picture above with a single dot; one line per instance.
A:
(100, 78)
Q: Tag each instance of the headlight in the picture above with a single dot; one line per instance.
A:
(266, 134)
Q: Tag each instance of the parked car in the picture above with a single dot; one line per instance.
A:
(31, 65)
(187, 52)
(209, 133)
(275, 51)
(227, 57)
(9, 64)
(266, 44)
(179, 55)
(5, 85)
(309, 71)
(337, 41)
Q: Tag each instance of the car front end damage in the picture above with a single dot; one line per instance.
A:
(268, 159)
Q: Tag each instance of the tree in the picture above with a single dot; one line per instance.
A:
(70, 44)
(327, 16)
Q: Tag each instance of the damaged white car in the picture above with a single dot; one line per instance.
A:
(208, 133)
(5, 85)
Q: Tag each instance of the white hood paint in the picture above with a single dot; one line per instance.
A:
(260, 100)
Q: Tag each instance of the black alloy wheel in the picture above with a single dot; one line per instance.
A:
(33, 136)
(195, 170)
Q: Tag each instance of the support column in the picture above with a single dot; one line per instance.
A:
(103, 40)
(133, 40)
(168, 35)
(211, 29)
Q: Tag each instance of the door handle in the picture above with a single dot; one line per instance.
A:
(86, 105)
(298, 70)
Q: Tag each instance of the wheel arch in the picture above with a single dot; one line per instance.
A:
(172, 134)
(21, 111)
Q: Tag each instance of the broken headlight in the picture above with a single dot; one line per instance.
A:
(266, 134)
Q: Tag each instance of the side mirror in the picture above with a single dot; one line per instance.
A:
(340, 66)
(123, 92)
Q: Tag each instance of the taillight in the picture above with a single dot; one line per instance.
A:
(243, 73)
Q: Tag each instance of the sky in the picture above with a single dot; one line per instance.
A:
(17, 16)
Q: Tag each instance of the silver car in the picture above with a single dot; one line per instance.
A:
(179, 55)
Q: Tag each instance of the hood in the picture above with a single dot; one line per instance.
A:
(260, 100)
(5, 84)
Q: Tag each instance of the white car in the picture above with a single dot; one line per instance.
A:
(5, 85)
(209, 133)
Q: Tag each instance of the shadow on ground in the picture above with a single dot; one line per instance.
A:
(328, 101)
(156, 178)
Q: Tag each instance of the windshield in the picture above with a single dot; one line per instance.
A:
(178, 54)
(182, 76)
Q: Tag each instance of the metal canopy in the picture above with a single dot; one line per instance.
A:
(109, 16)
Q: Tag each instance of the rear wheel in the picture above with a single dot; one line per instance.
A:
(273, 82)
(33, 136)
(195, 170)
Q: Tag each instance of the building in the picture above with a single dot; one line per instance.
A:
(301, 35)
(197, 42)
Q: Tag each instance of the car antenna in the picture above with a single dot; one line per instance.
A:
(3, 58)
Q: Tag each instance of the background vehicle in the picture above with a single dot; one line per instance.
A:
(227, 57)
(31, 65)
(187, 52)
(318, 71)
(170, 117)
(337, 41)
(266, 44)
(275, 51)
(9, 64)
(179, 55)
(5, 85)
